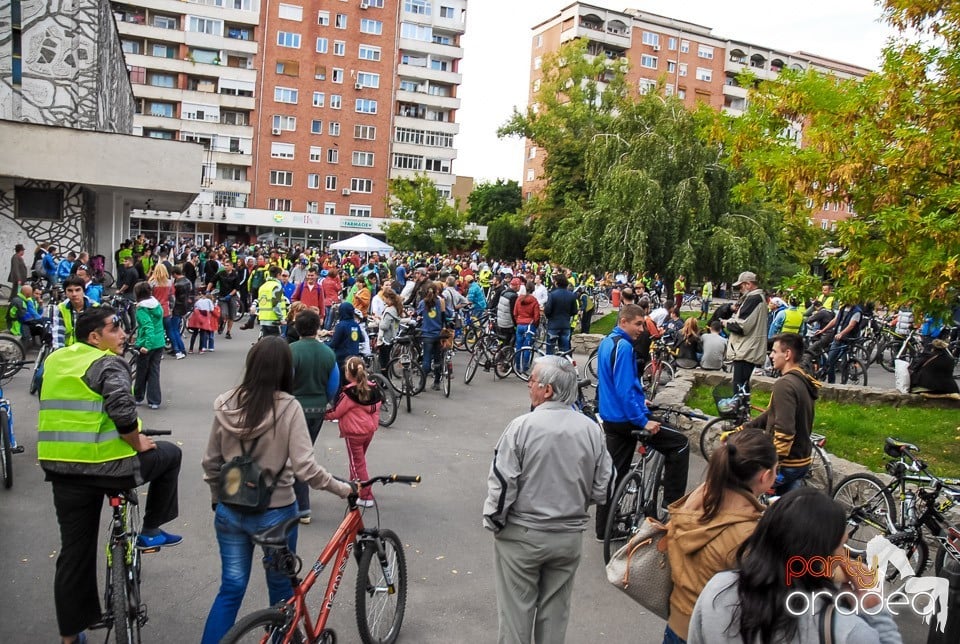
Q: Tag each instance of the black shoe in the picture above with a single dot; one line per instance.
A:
(247, 326)
(229, 337)
(436, 385)
(17, 450)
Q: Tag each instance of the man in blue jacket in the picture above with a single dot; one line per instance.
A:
(561, 306)
(623, 408)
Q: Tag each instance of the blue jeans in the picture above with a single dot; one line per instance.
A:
(837, 348)
(236, 556)
(523, 340)
(172, 325)
(558, 336)
(670, 637)
(431, 354)
(790, 478)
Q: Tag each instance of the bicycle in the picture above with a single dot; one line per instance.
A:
(446, 373)
(46, 348)
(381, 592)
(404, 371)
(388, 406)
(124, 613)
(12, 356)
(922, 496)
(484, 351)
(852, 370)
(734, 409)
(659, 370)
(640, 493)
(8, 440)
(509, 359)
(691, 301)
(893, 346)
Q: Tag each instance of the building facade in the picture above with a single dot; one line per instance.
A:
(689, 60)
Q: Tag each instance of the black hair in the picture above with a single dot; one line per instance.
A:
(734, 465)
(791, 341)
(73, 280)
(274, 270)
(307, 323)
(561, 281)
(93, 319)
(716, 326)
(804, 523)
(178, 269)
(268, 369)
(142, 290)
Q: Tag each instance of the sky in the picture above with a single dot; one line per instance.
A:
(496, 62)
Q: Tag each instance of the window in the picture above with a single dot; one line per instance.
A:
(165, 22)
(684, 46)
(369, 52)
(361, 185)
(705, 51)
(329, 208)
(533, 152)
(319, 99)
(323, 18)
(340, 22)
(416, 32)
(530, 175)
(361, 211)
(683, 69)
(288, 67)
(158, 134)
(322, 45)
(339, 48)
(652, 39)
(333, 155)
(161, 80)
(368, 26)
(704, 74)
(316, 126)
(331, 182)
(131, 46)
(283, 205)
(281, 178)
(336, 75)
(537, 62)
(281, 150)
(365, 132)
(647, 86)
(539, 41)
(438, 165)
(313, 181)
(320, 72)
(368, 79)
(334, 128)
(672, 43)
(671, 66)
(449, 13)
(536, 84)
(407, 162)
(366, 106)
(160, 109)
(668, 89)
(335, 101)
(376, 4)
(313, 207)
(162, 51)
(285, 95)
(288, 123)
(288, 39)
(204, 26)
(316, 153)
(440, 64)
(421, 7)
(291, 12)
(648, 61)
(682, 93)
(363, 159)
(823, 224)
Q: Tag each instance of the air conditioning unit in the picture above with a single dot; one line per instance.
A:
(277, 131)
(346, 192)
(364, 4)
(656, 48)
(358, 86)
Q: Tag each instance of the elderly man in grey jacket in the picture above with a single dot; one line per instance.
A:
(548, 467)
(747, 331)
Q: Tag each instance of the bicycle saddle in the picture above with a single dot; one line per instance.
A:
(894, 448)
(277, 535)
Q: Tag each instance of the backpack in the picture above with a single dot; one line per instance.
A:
(257, 280)
(242, 484)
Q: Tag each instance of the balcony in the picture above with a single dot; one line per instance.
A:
(172, 94)
(422, 46)
(202, 9)
(227, 185)
(209, 41)
(177, 66)
(734, 91)
(152, 122)
(222, 157)
(430, 100)
(140, 30)
(447, 127)
(425, 150)
(438, 178)
(411, 71)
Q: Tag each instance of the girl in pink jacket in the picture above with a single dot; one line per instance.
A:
(358, 410)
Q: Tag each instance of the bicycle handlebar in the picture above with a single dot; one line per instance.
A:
(155, 432)
(391, 478)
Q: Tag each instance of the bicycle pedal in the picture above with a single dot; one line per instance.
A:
(145, 551)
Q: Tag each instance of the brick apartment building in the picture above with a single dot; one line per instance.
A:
(694, 64)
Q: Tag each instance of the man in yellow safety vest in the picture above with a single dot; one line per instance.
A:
(89, 443)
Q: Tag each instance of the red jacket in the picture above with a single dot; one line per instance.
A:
(357, 419)
(309, 296)
(331, 290)
(526, 310)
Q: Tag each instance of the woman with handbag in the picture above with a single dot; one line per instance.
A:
(260, 419)
(708, 525)
(751, 604)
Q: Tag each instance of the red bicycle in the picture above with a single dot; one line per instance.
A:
(381, 593)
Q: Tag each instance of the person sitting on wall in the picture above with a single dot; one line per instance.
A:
(932, 371)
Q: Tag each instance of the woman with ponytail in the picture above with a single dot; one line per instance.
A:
(358, 410)
(708, 525)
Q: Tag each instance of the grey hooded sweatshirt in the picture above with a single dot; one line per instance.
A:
(284, 445)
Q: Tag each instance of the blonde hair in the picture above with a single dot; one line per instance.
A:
(160, 275)
(295, 309)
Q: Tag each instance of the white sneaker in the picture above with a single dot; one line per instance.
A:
(179, 356)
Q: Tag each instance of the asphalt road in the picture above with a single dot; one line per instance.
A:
(449, 442)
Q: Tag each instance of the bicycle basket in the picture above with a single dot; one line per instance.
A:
(726, 400)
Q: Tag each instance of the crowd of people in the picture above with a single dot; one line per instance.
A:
(549, 465)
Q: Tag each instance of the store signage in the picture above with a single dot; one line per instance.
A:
(356, 224)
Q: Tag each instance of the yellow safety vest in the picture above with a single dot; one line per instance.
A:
(792, 321)
(270, 309)
(66, 312)
(72, 425)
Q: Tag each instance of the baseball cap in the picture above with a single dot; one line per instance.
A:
(746, 276)
(515, 282)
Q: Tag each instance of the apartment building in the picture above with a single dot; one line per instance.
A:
(690, 60)
(351, 94)
(192, 68)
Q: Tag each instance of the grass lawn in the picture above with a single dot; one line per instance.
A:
(605, 324)
(857, 433)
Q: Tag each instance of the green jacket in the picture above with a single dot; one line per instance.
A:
(150, 333)
(314, 375)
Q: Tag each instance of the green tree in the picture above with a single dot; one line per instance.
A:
(887, 146)
(507, 236)
(427, 221)
(490, 200)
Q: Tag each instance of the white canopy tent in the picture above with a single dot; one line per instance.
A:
(363, 243)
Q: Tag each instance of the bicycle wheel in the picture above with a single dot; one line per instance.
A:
(417, 375)
(267, 625)
(6, 450)
(471, 369)
(651, 384)
(524, 361)
(388, 407)
(710, 436)
(624, 513)
(380, 608)
(590, 369)
(820, 474)
(447, 375)
(653, 491)
(37, 379)
(395, 374)
(107, 280)
(122, 607)
(869, 507)
(854, 373)
(11, 356)
(503, 361)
